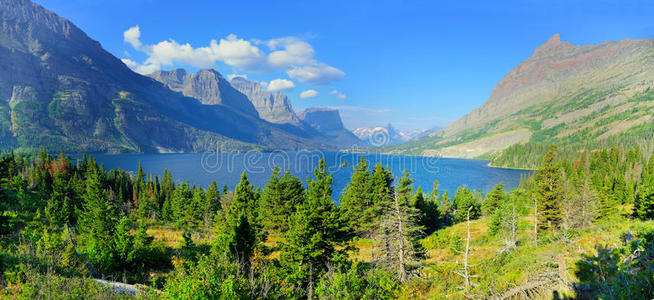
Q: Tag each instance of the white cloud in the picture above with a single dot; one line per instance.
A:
(316, 73)
(280, 85)
(290, 54)
(338, 94)
(308, 94)
(132, 36)
(232, 76)
(139, 68)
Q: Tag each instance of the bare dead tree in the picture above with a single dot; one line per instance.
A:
(466, 267)
(398, 233)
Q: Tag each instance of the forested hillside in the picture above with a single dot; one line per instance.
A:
(577, 228)
(579, 97)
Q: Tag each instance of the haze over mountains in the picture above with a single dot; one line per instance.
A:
(575, 96)
(62, 90)
(389, 135)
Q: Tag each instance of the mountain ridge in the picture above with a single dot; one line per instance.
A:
(562, 94)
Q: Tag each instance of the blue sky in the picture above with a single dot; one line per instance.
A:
(415, 64)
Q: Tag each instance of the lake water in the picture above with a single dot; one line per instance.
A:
(202, 168)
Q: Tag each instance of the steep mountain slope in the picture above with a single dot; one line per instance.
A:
(62, 90)
(328, 122)
(208, 86)
(575, 96)
(272, 107)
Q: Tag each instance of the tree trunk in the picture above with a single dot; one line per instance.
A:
(401, 254)
(465, 261)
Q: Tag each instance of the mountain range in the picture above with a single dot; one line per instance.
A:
(389, 135)
(574, 96)
(63, 91)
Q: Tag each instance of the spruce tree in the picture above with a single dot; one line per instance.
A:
(211, 204)
(97, 224)
(356, 203)
(493, 199)
(58, 209)
(548, 182)
(316, 236)
(644, 204)
(398, 232)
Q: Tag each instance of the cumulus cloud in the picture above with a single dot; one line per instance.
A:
(132, 36)
(280, 85)
(232, 76)
(290, 54)
(308, 94)
(338, 94)
(139, 68)
(316, 73)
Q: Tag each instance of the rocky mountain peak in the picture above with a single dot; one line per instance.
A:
(206, 85)
(322, 118)
(272, 107)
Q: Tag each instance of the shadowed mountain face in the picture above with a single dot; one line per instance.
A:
(562, 94)
(206, 85)
(272, 107)
(62, 90)
(328, 122)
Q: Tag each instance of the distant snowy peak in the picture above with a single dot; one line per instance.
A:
(388, 135)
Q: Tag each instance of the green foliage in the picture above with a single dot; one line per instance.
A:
(463, 200)
(549, 191)
(644, 205)
(279, 199)
(358, 282)
(622, 272)
(356, 203)
(316, 236)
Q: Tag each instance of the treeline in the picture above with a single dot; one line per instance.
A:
(66, 222)
(528, 155)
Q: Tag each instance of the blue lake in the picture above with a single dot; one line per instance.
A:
(199, 168)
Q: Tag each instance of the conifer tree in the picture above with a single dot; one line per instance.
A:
(97, 224)
(465, 200)
(548, 191)
(644, 204)
(211, 204)
(58, 209)
(356, 202)
(493, 199)
(315, 236)
(279, 199)
(429, 212)
(398, 231)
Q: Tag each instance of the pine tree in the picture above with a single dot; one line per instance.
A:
(356, 203)
(465, 200)
(241, 231)
(211, 204)
(97, 224)
(58, 209)
(493, 199)
(644, 204)
(382, 190)
(429, 212)
(398, 231)
(549, 191)
(315, 237)
(279, 199)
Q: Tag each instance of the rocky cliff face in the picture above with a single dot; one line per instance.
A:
(328, 122)
(561, 90)
(62, 90)
(272, 107)
(208, 86)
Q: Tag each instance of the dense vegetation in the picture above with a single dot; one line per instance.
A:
(67, 224)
